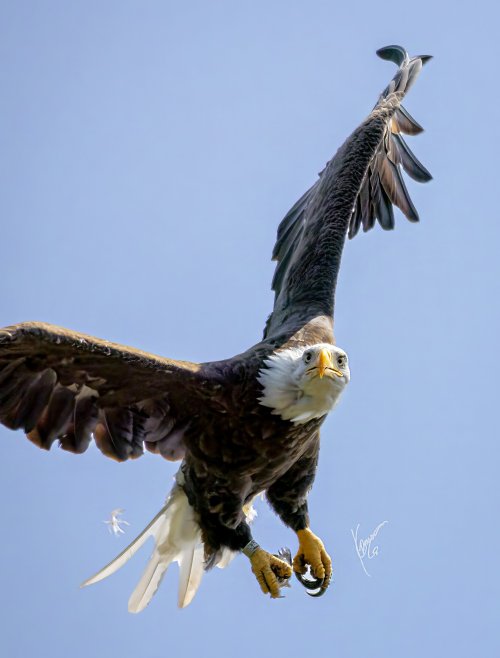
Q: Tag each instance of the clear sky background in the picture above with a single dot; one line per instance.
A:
(148, 151)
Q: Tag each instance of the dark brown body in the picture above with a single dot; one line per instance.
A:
(236, 448)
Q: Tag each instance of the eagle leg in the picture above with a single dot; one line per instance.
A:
(312, 555)
(270, 571)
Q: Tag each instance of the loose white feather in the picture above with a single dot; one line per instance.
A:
(128, 552)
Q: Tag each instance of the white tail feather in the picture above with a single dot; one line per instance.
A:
(148, 584)
(227, 557)
(191, 573)
(177, 538)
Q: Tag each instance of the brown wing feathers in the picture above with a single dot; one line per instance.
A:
(358, 186)
(60, 385)
(383, 185)
(289, 233)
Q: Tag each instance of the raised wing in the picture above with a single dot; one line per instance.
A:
(59, 384)
(357, 187)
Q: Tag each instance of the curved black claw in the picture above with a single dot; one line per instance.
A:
(309, 584)
(320, 592)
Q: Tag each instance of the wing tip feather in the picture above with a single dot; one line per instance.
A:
(394, 149)
(394, 53)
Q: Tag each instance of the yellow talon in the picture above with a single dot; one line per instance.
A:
(312, 553)
(266, 567)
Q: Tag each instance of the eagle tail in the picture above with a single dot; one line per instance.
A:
(177, 538)
(149, 582)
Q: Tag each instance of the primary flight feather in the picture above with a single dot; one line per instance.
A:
(244, 425)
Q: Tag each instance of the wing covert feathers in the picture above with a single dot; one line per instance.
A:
(59, 385)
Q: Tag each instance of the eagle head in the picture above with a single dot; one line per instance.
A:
(302, 383)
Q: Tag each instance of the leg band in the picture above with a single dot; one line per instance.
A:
(250, 548)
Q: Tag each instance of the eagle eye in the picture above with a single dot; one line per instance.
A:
(341, 361)
(307, 357)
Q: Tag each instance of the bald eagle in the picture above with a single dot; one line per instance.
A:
(244, 425)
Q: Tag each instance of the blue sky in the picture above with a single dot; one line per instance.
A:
(148, 151)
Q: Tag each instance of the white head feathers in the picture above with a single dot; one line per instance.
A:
(302, 383)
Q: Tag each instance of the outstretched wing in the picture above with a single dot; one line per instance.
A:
(59, 384)
(357, 187)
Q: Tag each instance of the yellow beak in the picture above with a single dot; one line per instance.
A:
(325, 361)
